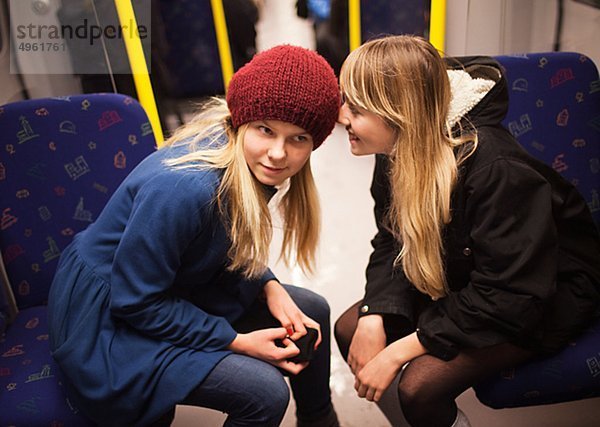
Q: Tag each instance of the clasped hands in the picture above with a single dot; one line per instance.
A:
(374, 363)
(276, 345)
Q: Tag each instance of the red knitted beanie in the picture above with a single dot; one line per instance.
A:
(287, 83)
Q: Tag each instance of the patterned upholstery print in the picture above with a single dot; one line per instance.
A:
(555, 114)
(31, 391)
(60, 160)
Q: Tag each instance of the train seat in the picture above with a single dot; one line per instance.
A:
(554, 113)
(61, 160)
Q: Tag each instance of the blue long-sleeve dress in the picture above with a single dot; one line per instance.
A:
(141, 304)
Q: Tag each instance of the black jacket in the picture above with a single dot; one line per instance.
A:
(522, 253)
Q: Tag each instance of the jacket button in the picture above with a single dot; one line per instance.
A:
(467, 251)
(364, 309)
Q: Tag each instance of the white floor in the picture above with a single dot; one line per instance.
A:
(348, 226)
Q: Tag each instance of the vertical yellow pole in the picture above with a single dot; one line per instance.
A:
(354, 29)
(222, 41)
(139, 68)
(437, 25)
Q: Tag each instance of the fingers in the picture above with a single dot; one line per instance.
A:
(312, 324)
(290, 350)
(372, 394)
(297, 327)
(291, 367)
(300, 329)
(351, 365)
(355, 365)
(277, 333)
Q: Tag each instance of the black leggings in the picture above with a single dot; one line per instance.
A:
(428, 386)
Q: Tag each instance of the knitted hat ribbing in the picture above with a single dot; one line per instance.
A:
(287, 83)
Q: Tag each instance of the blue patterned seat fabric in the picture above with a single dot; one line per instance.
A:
(554, 113)
(60, 160)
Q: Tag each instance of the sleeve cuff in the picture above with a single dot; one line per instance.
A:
(268, 276)
(228, 334)
(398, 309)
(435, 348)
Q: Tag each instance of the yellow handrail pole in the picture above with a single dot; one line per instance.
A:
(222, 41)
(354, 29)
(139, 68)
(437, 25)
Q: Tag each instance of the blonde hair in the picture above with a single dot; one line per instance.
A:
(242, 200)
(403, 80)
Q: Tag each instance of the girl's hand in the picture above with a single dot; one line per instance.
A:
(368, 340)
(377, 375)
(261, 345)
(284, 309)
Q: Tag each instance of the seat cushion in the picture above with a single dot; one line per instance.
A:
(572, 374)
(30, 381)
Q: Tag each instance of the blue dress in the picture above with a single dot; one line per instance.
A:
(141, 304)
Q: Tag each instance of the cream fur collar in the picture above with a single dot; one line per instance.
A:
(466, 94)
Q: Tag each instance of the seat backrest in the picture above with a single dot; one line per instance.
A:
(60, 161)
(554, 112)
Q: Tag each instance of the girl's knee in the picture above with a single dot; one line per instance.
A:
(412, 391)
(343, 337)
(278, 390)
(272, 409)
(267, 401)
(412, 402)
(421, 407)
(279, 397)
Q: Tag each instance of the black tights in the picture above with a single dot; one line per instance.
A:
(428, 386)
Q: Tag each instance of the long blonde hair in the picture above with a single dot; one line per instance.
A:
(403, 80)
(242, 200)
